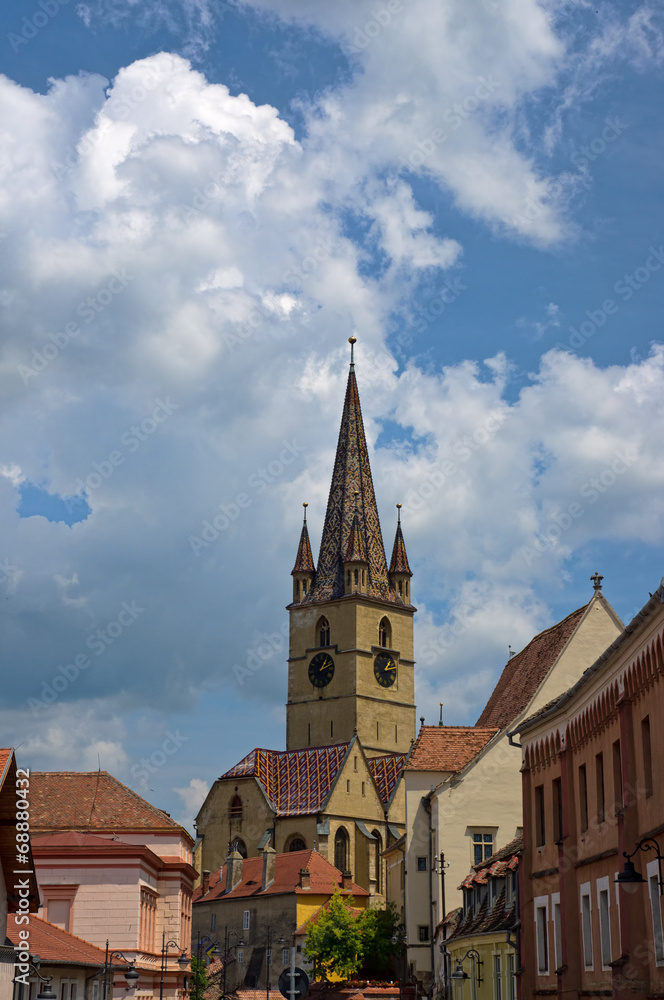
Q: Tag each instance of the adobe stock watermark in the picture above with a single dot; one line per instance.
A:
(7, 571)
(157, 759)
(258, 481)
(562, 520)
(267, 646)
(88, 309)
(464, 449)
(97, 642)
(586, 155)
(31, 25)
(131, 440)
(435, 307)
(447, 636)
(454, 117)
(379, 20)
(625, 287)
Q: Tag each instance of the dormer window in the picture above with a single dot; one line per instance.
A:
(323, 632)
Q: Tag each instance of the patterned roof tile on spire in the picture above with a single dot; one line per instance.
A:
(399, 560)
(355, 551)
(351, 476)
(304, 561)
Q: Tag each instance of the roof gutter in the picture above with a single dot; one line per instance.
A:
(426, 802)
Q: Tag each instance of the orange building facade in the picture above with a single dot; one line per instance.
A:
(593, 794)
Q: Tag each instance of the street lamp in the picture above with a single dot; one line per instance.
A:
(629, 878)
(46, 993)
(268, 960)
(460, 974)
(227, 945)
(183, 961)
(131, 975)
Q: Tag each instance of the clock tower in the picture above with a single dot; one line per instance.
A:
(350, 667)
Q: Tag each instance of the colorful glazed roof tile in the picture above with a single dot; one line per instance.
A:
(304, 560)
(352, 486)
(324, 878)
(55, 946)
(448, 748)
(399, 560)
(355, 551)
(295, 782)
(91, 800)
(386, 772)
(524, 673)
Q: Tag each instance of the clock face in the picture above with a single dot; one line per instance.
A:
(385, 670)
(321, 670)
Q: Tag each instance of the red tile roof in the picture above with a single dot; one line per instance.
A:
(324, 878)
(448, 748)
(91, 800)
(296, 782)
(5, 754)
(524, 673)
(55, 946)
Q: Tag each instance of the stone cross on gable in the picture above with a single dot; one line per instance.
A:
(597, 582)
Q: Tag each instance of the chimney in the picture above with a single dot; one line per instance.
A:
(347, 884)
(206, 882)
(233, 870)
(305, 878)
(269, 861)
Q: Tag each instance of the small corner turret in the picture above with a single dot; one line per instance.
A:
(303, 571)
(399, 571)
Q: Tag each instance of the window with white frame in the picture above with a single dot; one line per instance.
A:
(285, 957)
(68, 989)
(245, 920)
(604, 921)
(586, 925)
(542, 934)
(511, 976)
(652, 873)
(617, 889)
(557, 938)
(95, 990)
(482, 847)
(240, 956)
(497, 978)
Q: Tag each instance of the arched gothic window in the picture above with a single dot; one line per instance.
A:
(323, 629)
(235, 811)
(341, 853)
(296, 843)
(385, 633)
(237, 844)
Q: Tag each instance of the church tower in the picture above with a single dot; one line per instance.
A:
(350, 667)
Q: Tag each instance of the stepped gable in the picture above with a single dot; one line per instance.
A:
(91, 800)
(295, 782)
(352, 489)
(386, 772)
(324, 878)
(524, 673)
(448, 748)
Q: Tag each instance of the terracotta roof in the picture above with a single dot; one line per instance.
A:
(386, 772)
(57, 947)
(497, 866)
(448, 748)
(91, 800)
(324, 878)
(296, 782)
(487, 920)
(524, 673)
(304, 560)
(399, 560)
(5, 754)
(351, 476)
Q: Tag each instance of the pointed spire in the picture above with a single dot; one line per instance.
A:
(351, 521)
(304, 561)
(399, 561)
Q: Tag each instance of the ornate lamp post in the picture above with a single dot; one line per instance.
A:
(46, 993)
(131, 975)
(183, 961)
(459, 973)
(629, 878)
(268, 960)
(227, 946)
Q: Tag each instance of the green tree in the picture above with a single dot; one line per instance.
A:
(198, 981)
(377, 928)
(334, 942)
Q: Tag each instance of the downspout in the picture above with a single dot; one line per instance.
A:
(426, 802)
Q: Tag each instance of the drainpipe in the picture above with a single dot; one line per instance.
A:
(426, 802)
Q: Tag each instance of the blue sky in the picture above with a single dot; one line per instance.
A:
(200, 203)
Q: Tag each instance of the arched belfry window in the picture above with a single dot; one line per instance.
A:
(341, 853)
(235, 811)
(323, 629)
(296, 843)
(385, 633)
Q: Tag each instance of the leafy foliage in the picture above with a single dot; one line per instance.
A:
(377, 928)
(334, 943)
(198, 981)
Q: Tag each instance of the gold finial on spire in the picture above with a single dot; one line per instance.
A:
(398, 513)
(352, 341)
(305, 505)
